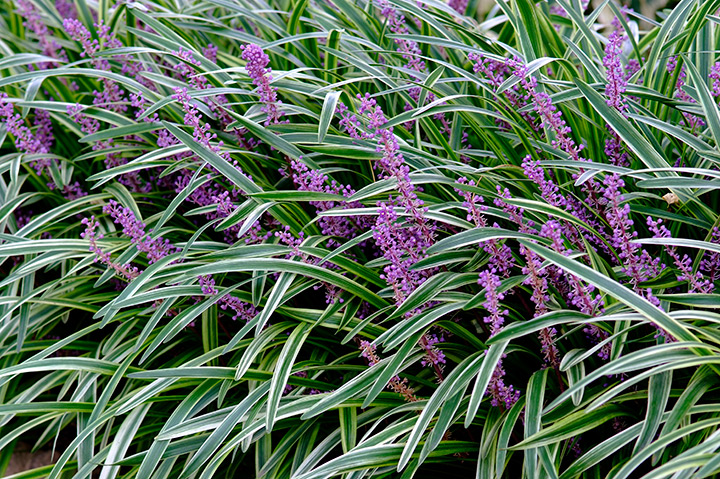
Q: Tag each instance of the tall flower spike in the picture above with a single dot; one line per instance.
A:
(637, 263)
(25, 141)
(256, 66)
(402, 245)
(500, 259)
(473, 203)
(580, 295)
(496, 316)
(412, 54)
(111, 96)
(497, 72)
(500, 393)
(615, 90)
(550, 117)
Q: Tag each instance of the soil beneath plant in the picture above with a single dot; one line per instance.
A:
(24, 460)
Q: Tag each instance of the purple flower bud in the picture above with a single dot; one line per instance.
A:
(501, 394)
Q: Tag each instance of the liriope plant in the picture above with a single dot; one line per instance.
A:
(308, 239)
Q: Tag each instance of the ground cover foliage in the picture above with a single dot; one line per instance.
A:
(317, 239)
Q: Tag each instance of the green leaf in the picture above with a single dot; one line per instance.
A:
(473, 236)
(327, 114)
(224, 167)
(267, 137)
(282, 372)
(460, 376)
(348, 427)
(637, 143)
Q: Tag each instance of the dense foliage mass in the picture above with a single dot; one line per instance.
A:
(310, 239)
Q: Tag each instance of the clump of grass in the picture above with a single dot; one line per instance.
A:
(314, 239)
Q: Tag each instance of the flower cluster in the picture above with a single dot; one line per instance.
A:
(500, 256)
(155, 248)
(580, 295)
(459, 5)
(696, 281)
(26, 142)
(473, 203)
(549, 115)
(409, 49)
(710, 263)
(636, 262)
(411, 53)
(433, 356)
(398, 385)
(497, 72)
(496, 318)
(499, 392)
(401, 245)
(125, 271)
(111, 96)
(34, 22)
(345, 227)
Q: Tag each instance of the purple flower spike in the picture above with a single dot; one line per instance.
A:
(155, 248)
(398, 385)
(615, 89)
(34, 22)
(257, 62)
(550, 117)
(548, 189)
(496, 318)
(617, 83)
(501, 395)
(126, 271)
(636, 262)
(694, 122)
(25, 141)
(473, 203)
